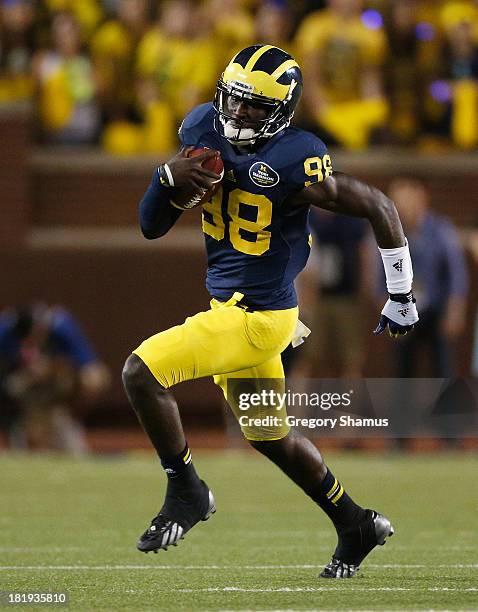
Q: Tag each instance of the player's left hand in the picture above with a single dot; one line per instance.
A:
(399, 314)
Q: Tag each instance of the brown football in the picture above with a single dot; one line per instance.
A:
(187, 198)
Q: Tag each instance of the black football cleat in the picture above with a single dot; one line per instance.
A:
(355, 544)
(180, 512)
(338, 569)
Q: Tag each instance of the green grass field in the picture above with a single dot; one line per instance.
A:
(71, 525)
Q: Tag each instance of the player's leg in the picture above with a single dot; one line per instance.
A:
(359, 530)
(223, 339)
(218, 340)
(188, 499)
(155, 407)
(292, 452)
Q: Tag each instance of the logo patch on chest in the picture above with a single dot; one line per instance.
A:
(263, 175)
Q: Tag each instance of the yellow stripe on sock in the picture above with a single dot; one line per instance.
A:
(338, 496)
(336, 490)
(187, 455)
(336, 482)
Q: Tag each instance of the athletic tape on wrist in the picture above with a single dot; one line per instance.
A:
(398, 269)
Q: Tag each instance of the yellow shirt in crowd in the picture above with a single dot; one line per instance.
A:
(344, 48)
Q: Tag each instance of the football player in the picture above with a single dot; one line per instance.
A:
(257, 241)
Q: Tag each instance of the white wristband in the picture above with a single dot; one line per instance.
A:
(169, 174)
(398, 269)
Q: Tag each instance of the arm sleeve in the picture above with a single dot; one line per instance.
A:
(187, 137)
(156, 214)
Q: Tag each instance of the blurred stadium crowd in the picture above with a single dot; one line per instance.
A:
(122, 73)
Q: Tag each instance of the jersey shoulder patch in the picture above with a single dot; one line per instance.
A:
(196, 124)
(308, 160)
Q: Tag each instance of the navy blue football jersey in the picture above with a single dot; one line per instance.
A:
(255, 243)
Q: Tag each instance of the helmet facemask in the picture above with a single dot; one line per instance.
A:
(236, 130)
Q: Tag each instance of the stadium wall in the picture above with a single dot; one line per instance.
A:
(69, 235)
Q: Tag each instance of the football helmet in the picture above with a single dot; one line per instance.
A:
(265, 77)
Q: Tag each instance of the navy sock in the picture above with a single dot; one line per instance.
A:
(339, 507)
(180, 470)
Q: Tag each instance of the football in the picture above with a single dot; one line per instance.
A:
(187, 198)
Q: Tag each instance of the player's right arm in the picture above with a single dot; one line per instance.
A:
(156, 212)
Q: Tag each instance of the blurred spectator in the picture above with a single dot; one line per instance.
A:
(330, 296)
(301, 8)
(45, 360)
(342, 50)
(472, 244)
(17, 44)
(375, 71)
(413, 46)
(113, 50)
(440, 282)
(456, 89)
(174, 72)
(232, 28)
(273, 24)
(66, 87)
(88, 13)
